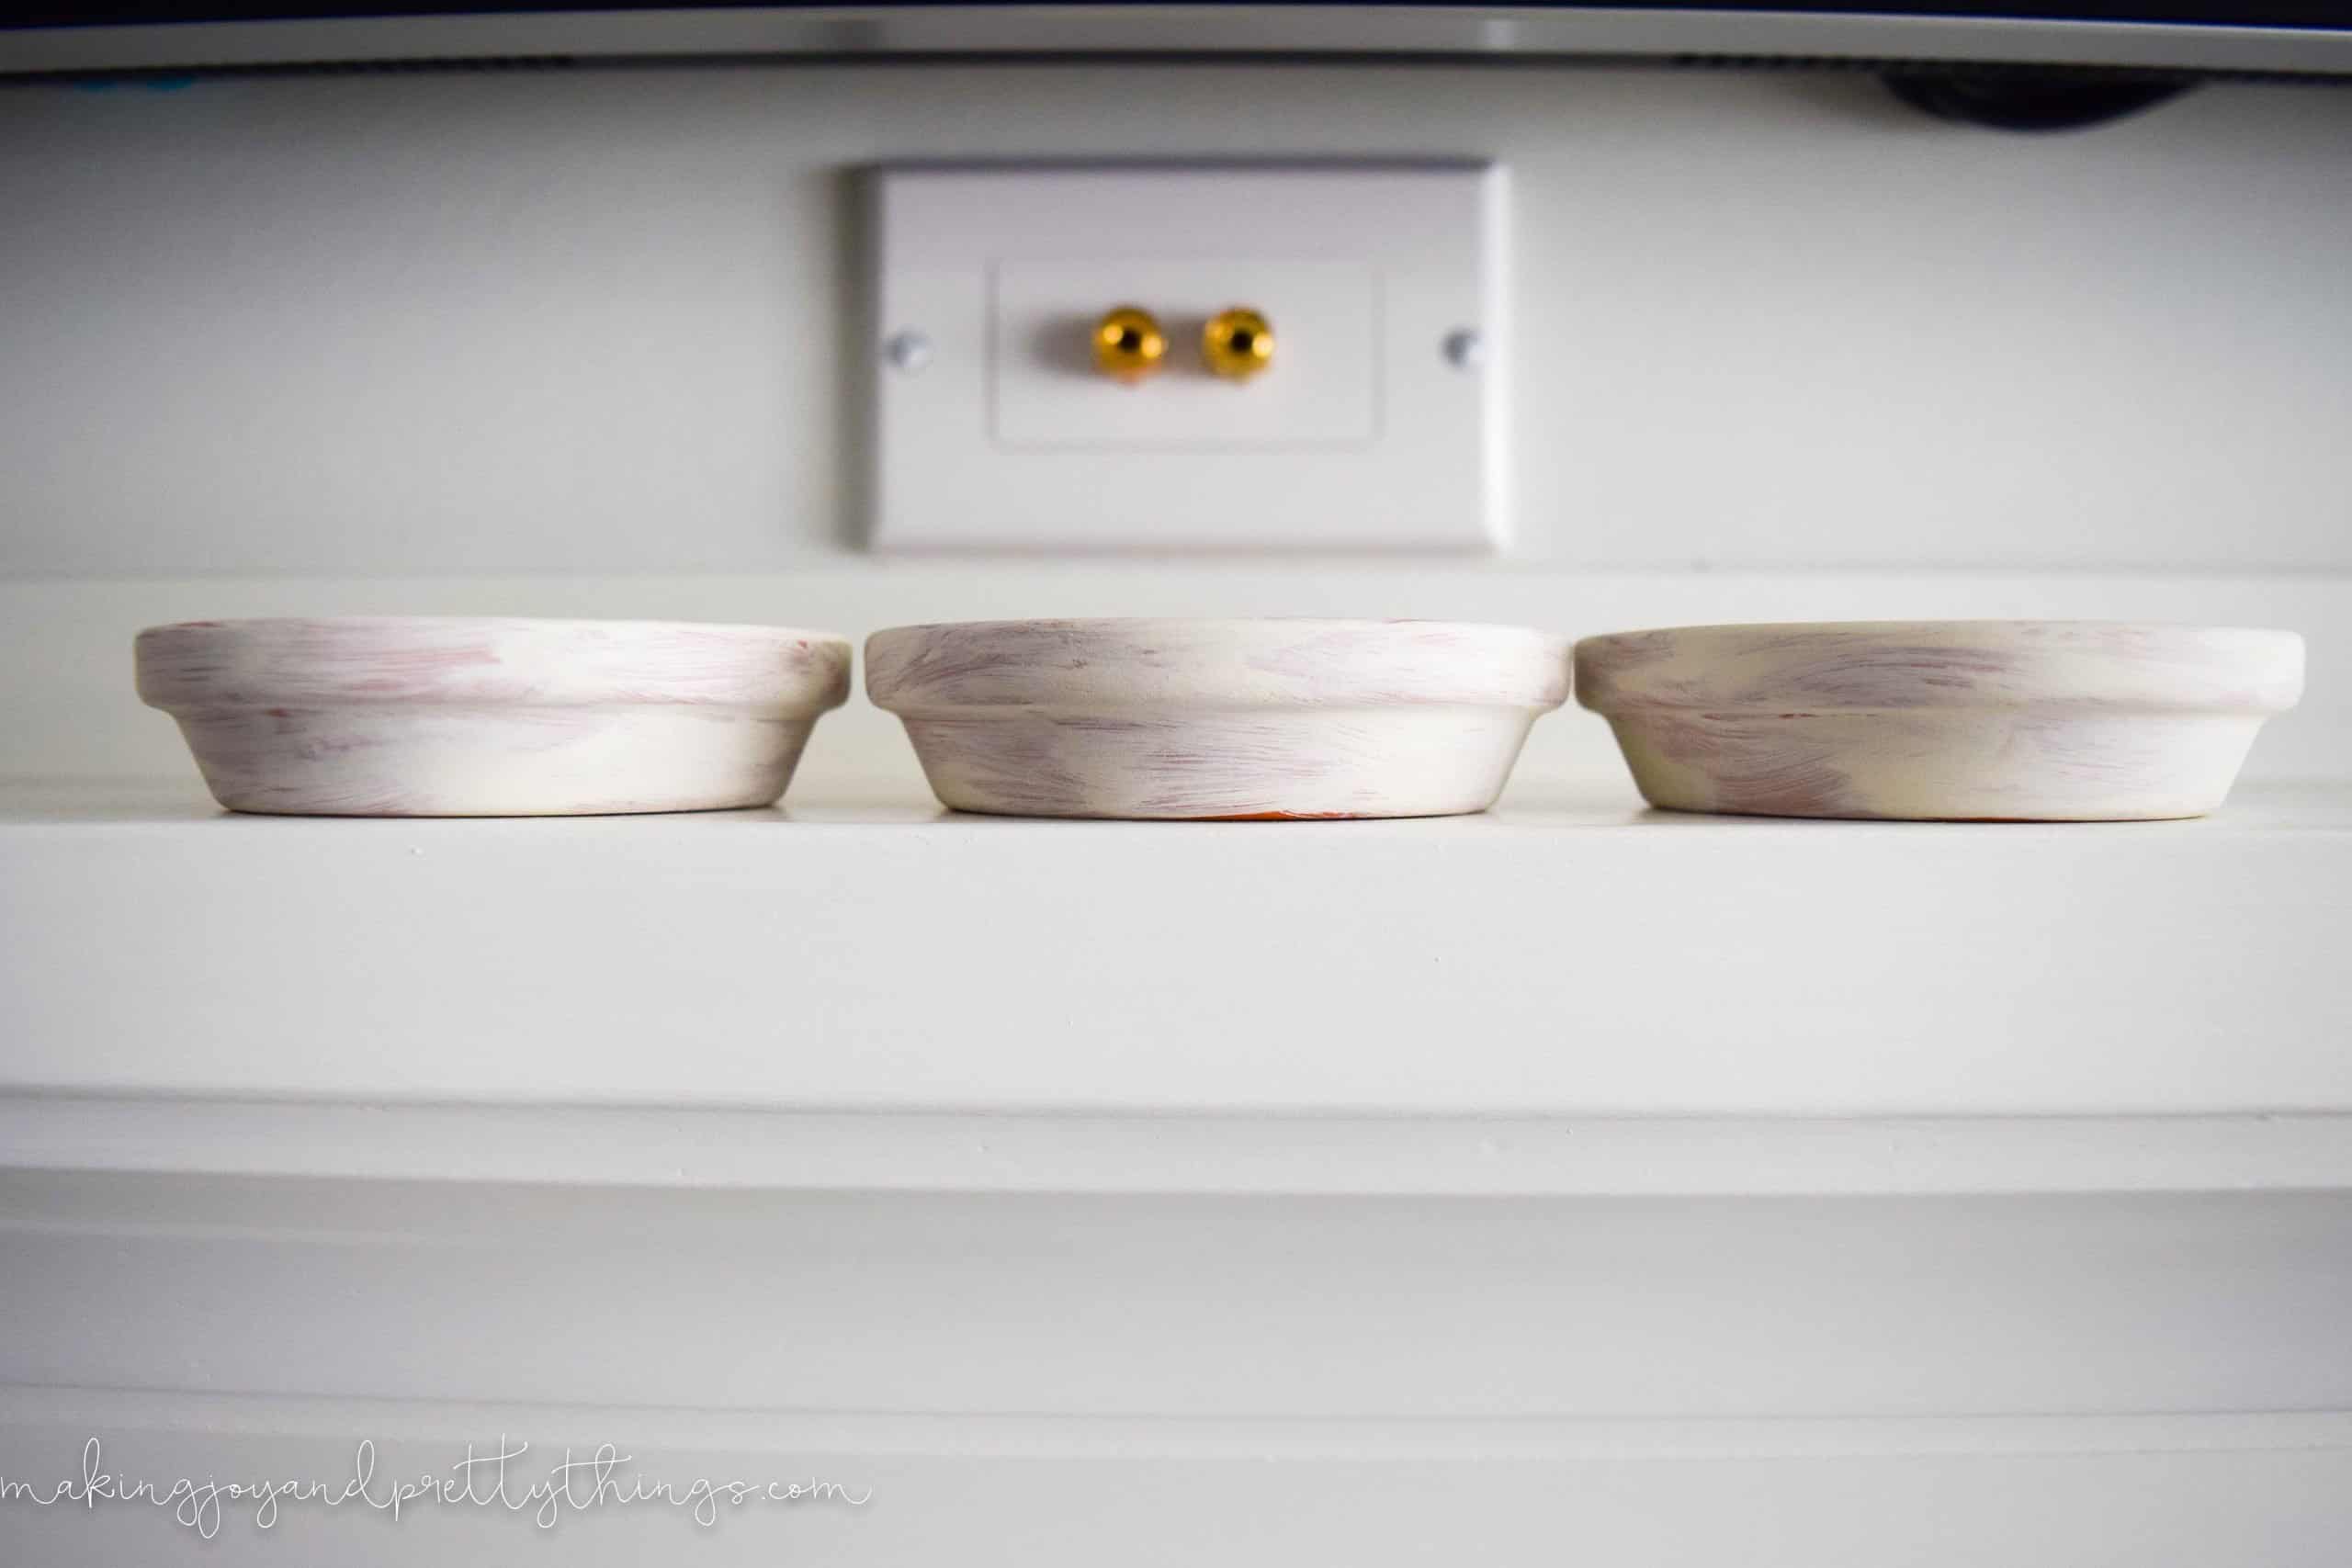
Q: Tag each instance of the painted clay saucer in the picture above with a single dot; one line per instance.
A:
(482, 717)
(1972, 720)
(1216, 718)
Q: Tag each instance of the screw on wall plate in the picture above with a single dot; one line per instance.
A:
(1464, 349)
(907, 351)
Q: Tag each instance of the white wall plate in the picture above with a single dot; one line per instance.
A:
(1374, 428)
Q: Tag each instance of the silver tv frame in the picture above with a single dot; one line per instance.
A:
(1595, 35)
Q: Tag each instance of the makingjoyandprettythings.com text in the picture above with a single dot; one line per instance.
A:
(491, 1481)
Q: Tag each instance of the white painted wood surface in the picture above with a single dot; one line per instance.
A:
(2049, 1381)
(2155, 1493)
(1240, 1308)
(1111, 1327)
(1315, 1154)
(902, 957)
(1244, 1308)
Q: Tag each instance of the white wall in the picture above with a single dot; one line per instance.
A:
(594, 321)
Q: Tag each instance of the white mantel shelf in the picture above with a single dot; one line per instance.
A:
(1558, 957)
(1689, 1190)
